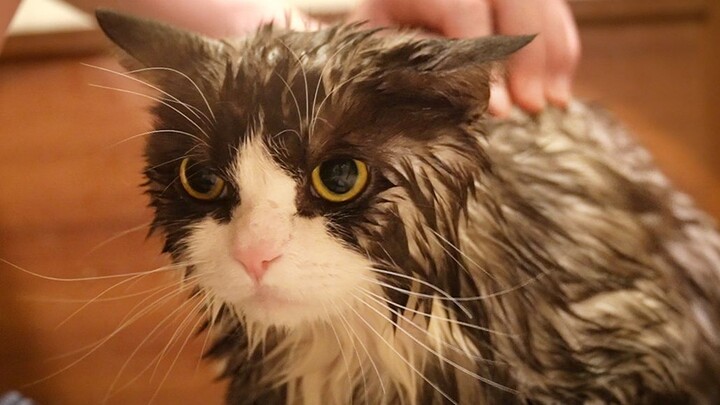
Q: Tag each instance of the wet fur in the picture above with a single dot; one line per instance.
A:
(583, 276)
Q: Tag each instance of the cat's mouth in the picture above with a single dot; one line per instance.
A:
(269, 297)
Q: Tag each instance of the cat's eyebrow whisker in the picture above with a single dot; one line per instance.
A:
(292, 94)
(169, 69)
(440, 318)
(157, 100)
(129, 75)
(313, 112)
(367, 352)
(116, 237)
(157, 131)
(177, 159)
(327, 97)
(304, 73)
(420, 281)
(438, 354)
(404, 360)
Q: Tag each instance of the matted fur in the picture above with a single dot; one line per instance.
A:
(531, 260)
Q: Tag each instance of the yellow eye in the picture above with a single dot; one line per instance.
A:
(200, 182)
(340, 180)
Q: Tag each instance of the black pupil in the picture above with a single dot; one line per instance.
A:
(201, 179)
(339, 175)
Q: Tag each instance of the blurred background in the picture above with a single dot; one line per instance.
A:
(71, 206)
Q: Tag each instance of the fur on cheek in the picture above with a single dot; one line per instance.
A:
(316, 271)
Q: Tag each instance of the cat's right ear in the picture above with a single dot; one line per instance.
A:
(153, 44)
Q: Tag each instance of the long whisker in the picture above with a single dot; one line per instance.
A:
(86, 355)
(84, 300)
(446, 296)
(327, 97)
(96, 278)
(292, 94)
(202, 95)
(372, 362)
(122, 282)
(176, 335)
(182, 346)
(131, 316)
(116, 237)
(463, 254)
(313, 115)
(152, 333)
(346, 325)
(340, 346)
(157, 100)
(211, 318)
(456, 349)
(194, 110)
(157, 131)
(404, 360)
(302, 69)
(427, 284)
(439, 318)
(438, 354)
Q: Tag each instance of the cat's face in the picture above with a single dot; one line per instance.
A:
(297, 172)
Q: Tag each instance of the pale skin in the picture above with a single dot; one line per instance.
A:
(538, 75)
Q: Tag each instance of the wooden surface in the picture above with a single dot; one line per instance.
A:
(69, 191)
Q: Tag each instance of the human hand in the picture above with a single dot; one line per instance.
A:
(538, 74)
(216, 18)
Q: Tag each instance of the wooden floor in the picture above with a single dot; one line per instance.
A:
(70, 207)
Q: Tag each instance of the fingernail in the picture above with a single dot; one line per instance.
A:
(558, 92)
(529, 94)
(499, 100)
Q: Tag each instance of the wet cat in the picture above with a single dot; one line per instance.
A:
(364, 233)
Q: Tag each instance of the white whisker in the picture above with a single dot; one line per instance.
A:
(195, 124)
(440, 318)
(438, 354)
(406, 361)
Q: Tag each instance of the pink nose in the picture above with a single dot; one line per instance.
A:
(256, 257)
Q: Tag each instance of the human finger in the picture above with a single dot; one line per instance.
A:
(526, 68)
(562, 47)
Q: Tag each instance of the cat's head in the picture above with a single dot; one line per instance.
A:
(297, 172)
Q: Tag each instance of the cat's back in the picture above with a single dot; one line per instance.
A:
(621, 271)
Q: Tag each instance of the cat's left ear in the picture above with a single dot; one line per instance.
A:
(458, 70)
(153, 44)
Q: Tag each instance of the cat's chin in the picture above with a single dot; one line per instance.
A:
(269, 306)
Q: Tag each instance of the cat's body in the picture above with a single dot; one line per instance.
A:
(532, 260)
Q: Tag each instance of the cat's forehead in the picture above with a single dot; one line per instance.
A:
(271, 46)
